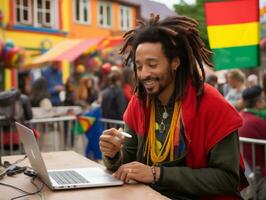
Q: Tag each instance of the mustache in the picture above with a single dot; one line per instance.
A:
(150, 78)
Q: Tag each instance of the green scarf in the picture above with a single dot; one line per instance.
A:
(259, 113)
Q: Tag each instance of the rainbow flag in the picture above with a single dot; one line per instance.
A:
(233, 31)
(84, 123)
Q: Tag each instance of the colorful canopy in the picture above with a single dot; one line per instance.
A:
(66, 50)
(233, 30)
(110, 42)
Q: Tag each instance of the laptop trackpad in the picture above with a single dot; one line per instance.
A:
(93, 175)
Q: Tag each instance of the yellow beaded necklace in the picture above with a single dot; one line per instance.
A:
(168, 145)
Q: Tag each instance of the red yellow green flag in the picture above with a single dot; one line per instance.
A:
(233, 31)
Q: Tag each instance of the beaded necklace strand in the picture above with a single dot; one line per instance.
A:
(168, 145)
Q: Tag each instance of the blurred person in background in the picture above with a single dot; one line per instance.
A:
(70, 93)
(24, 85)
(252, 80)
(225, 87)
(15, 106)
(78, 73)
(113, 101)
(236, 80)
(212, 79)
(40, 96)
(105, 70)
(264, 83)
(86, 93)
(254, 125)
(53, 75)
(24, 82)
(254, 116)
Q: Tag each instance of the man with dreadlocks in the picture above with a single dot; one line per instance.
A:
(184, 134)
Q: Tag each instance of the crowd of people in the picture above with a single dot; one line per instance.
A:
(111, 88)
(247, 95)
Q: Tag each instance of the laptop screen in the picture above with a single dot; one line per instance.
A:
(32, 150)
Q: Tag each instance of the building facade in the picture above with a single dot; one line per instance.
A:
(38, 25)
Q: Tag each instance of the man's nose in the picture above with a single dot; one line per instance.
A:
(145, 72)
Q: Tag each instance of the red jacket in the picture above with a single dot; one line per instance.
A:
(214, 120)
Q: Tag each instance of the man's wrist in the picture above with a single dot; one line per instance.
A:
(158, 173)
(115, 157)
(155, 174)
(112, 163)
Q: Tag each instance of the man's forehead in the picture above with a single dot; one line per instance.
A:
(147, 58)
(151, 51)
(150, 45)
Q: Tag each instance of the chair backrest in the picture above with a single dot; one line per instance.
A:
(11, 106)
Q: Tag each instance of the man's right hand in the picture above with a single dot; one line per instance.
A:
(111, 142)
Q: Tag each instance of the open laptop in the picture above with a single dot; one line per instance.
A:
(62, 178)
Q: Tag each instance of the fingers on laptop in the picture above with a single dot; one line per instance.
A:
(126, 173)
(134, 171)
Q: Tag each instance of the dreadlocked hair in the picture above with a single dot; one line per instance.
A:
(179, 38)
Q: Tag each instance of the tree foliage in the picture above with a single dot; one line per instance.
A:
(197, 12)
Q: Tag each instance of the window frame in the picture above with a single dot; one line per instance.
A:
(33, 14)
(21, 9)
(124, 18)
(81, 15)
(105, 18)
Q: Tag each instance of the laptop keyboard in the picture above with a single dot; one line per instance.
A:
(67, 177)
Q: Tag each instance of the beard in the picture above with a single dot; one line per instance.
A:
(162, 85)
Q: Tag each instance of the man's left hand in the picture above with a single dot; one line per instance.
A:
(136, 171)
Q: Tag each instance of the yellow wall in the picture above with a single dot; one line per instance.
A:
(65, 14)
(28, 40)
(4, 6)
(31, 40)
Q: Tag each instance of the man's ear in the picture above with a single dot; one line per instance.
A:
(175, 63)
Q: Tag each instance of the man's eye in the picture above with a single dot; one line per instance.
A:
(153, 65)
(139, 67)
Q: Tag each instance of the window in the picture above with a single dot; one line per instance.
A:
(24, 12)
(105, 14)
(44, 16)
(81, 11)
(125, 18)
(37, 13)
